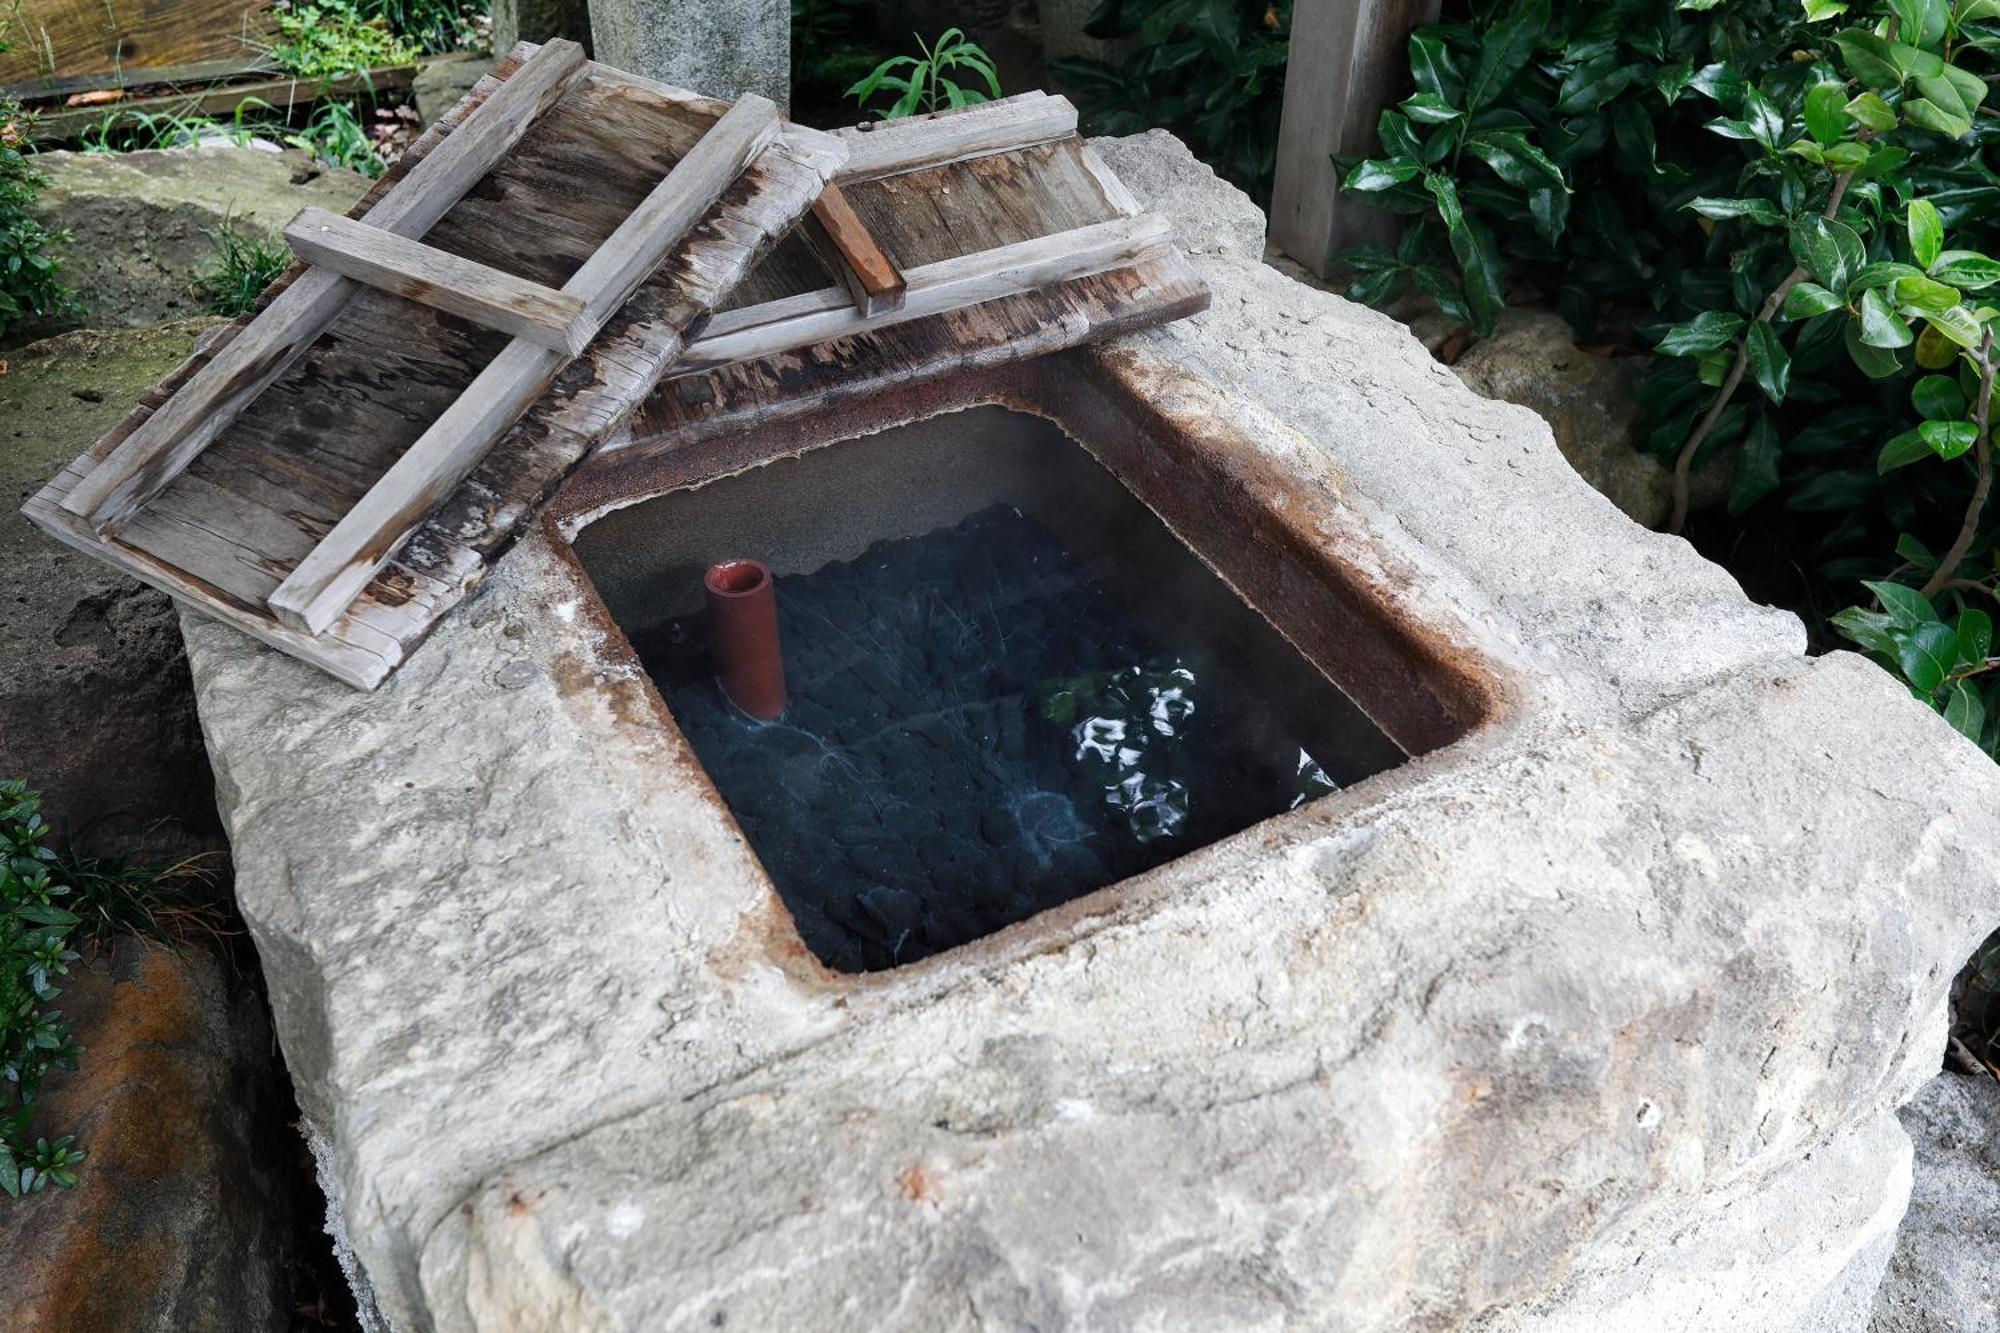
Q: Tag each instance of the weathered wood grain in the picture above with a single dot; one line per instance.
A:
(721, 410)
(329, 427)
(884, 147)
(63, 46)
(319, 589)
(869, 275)
(156, 453)
(444, 281)
(1351, 55)
(950, 284)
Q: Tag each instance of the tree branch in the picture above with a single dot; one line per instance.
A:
(1684, 461)
(1942, 576)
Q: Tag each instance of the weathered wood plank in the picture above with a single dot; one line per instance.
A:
(722, 411)
(318, 591)
(443, 281)
(967, 280)
(155, 453)
(1347, 63)
(857, 260)
(62, 46)
(885, 147)
(284, 94)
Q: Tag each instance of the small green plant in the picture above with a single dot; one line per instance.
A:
(433, 25)
(244, 264)
(1212, 71)
(927, 86)
(325, 38)
(335, 135)
(34, 954)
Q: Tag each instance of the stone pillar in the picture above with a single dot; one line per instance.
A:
(722, 50)
(538, 20)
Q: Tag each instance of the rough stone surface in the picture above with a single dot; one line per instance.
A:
(95, 705)
(1587, 400)
(720, 50)
(140, 222)
(179, 1222)
(538, 20)
(1595, 1019)
(441, 84)
(1945, 1277)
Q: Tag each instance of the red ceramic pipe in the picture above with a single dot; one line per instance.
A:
(743, 632)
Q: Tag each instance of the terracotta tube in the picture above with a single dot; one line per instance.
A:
(743, 631)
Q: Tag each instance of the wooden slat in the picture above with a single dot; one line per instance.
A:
(425, 274)
(949, 284)
(867, 273)
(53, 125)
(315, 593)
(158, 451)
(882, 148)
(1355, 51)
(63, 46)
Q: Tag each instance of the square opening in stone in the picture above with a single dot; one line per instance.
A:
(1008, 683)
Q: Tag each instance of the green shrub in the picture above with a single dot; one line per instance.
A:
(1760, 193)
(30, 276)
(1211, 71)
(34, 953)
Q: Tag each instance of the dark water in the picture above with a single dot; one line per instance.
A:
(977, 731)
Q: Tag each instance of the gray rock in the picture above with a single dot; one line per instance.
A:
(721, 50)
(180, 1221)
(142, 222)
(95, 705)
(1945, 1277)
(440, 84)
(1532, 360)
(1597, 1018)
(538, 20)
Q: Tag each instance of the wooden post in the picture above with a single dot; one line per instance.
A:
(1349, 59)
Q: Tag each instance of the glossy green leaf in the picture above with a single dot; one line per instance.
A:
(1948, 439)
(1934, 350)
(1706, 332)
(1907, 607)
(1926, 654)
(1761, 211)
(1505, 50)
(1881, 275)
(1515, 160)
(1924, 294)
(1974, 628)
(1871, 112)
(1435, 71)
(1846, 156)
(1904, 449)
(1478, 258)
(1876, 363)
(1966, 269)
(1926, 232)
(1881, 326)
(1957, 324)
(1830, 251)
(1965, 710)
(1929, 115)
(1820, 10)
(1429, 109)
(1868, 58)
(1826, 112)
(1770, 364)
(1938, 398)
(1381, 174)
(1873, 630)
(1809, 299)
